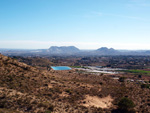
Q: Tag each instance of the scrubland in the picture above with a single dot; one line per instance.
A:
(24, 88)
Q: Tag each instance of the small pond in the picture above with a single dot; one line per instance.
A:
(60, 68)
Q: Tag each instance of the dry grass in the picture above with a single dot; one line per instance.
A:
(26, 89)
(95, 101)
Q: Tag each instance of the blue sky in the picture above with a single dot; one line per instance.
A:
(86, 24)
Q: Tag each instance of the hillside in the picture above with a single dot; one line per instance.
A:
(19, 84)
(24, 88)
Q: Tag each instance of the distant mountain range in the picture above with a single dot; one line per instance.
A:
(72, 50)
(106, 51)
(63, 50)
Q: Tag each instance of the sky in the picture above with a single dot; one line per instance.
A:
(86, 24)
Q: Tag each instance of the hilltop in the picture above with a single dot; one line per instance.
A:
(107, 51)
(63, 50)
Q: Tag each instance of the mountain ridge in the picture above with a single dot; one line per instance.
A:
(63, 49)
(72, 50)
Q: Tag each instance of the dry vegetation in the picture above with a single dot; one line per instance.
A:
(26, 89)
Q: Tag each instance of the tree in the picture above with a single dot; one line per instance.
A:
(145, 86)
(139, 76)
(122, 79)
(126, 105)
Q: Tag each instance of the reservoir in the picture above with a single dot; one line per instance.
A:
(60, 68)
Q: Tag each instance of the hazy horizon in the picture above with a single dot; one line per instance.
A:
(86, 24)
(76, 47)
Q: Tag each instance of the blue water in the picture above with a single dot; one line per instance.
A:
(60, 68)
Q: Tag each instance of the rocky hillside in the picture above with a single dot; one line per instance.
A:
(26, 89)
(19, 84)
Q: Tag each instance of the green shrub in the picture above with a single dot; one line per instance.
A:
(122, 79)
(126, 104)
(69, 91)
(145, 86)
(50, 108)
(47, 111)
